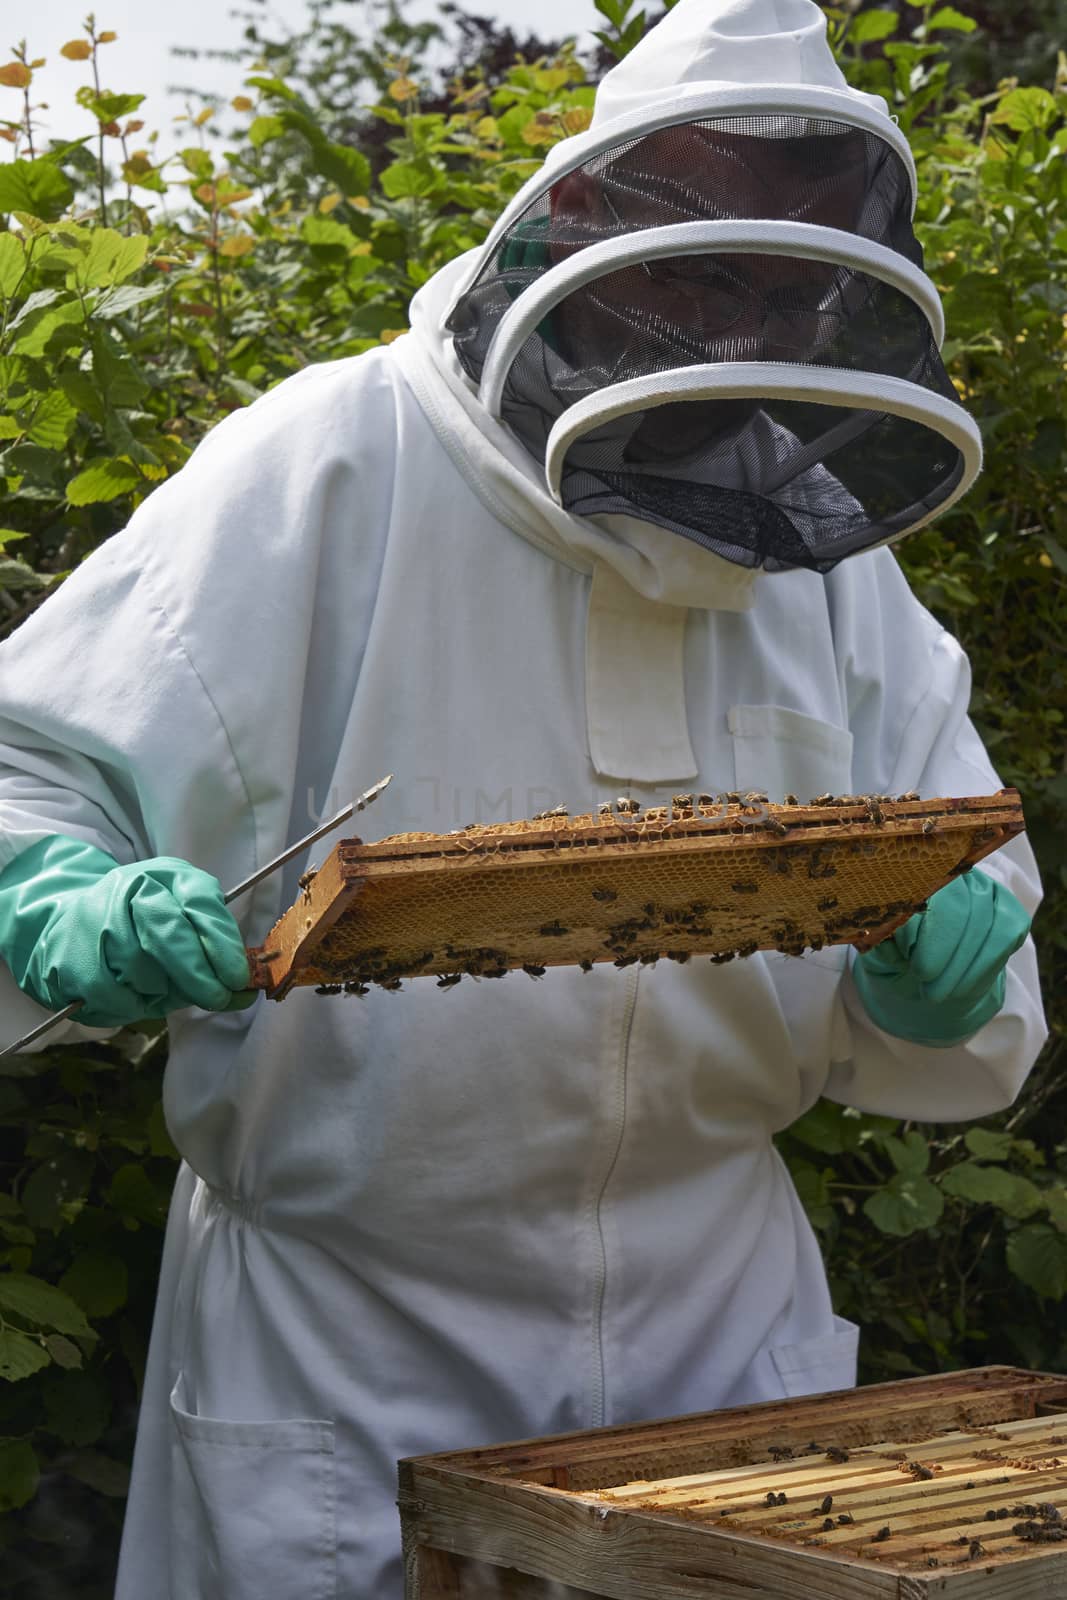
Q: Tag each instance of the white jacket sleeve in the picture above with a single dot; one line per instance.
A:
(105, 734)
(930, 745)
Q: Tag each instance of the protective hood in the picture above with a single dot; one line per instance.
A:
(708, 312)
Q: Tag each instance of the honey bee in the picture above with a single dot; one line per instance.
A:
(558, 811)
(825, 1505)
(447, 980)
(605, 896)
(684, 802)
(790, 800)
(874, 810)
(883, 1533)
(392, 984)
(627, 806)
(929, 825)
(773, 825)
(553, 930)
(532, 970)
(745, 888)
(603, 810)
(681, 956)
(845, 1519)
(357, 989)
(912, 794)
(306, 879)
(586, 966)
(780, 1452)
(822, 800)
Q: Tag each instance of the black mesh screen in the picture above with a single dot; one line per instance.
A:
(774, 484)
(714, 309)
(769, 168)
(792, 484)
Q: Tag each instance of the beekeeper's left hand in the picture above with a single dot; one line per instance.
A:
(940, 977)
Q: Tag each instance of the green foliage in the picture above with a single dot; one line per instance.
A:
(128, 328)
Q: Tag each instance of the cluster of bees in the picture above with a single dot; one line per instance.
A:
(625, 937)
(625, 806)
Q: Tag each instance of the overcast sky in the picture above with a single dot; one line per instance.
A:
(141, 59)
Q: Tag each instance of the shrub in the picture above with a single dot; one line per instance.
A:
(141, 299)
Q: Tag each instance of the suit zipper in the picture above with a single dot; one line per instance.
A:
(618, 1117)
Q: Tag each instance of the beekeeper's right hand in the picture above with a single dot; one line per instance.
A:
(129, 942)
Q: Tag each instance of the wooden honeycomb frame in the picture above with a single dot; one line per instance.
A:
(951, 1487)
(700, 878)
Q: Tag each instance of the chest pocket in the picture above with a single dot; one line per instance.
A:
(787, 752)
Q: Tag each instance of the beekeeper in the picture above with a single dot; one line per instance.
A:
(581, 532)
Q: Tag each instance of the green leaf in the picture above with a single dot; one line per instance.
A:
(1037, 1255)
(9, 535)
(1057, 554)
(988, 1144)
(110, 259)
(16, 575)
(263, 129)
(65, 320)
(52, 421)
(104, 479)
(910, 1154)
(867, 26)
(1056, 1201)
(906, 1204)
(1021, 109)
(132, 1194)
(9, 428)
(827, 1128)
(42, 1304)
(120, 301)
(403, 179)
(108, 107)
(37, 187)
(20, 1355)
(1010, 1193)
(64, 1351)
(949, 18)
(19, 1473)
(60, 1181)
(77, 1406)
(12, 263)
(98, 1282)
(100, 1472)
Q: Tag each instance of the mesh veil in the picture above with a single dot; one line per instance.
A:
(768, 483)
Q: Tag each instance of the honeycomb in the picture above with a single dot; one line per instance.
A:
(692, 880)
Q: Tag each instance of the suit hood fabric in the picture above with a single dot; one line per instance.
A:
(708, 311)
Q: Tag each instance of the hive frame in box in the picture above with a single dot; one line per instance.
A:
(680, 881)
(630, 1513)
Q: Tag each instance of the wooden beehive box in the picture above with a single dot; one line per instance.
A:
(967, 1471)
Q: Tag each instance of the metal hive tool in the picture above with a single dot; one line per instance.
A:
(698, 878)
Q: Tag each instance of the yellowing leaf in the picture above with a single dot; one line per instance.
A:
(203, 116)
(15, 75)
(486, 128)
(387, 335)
(577, 119)
(76, 50)
(541, 130)
(107, 37)
(206, 193)
(328, 202)
(403, 89)
(241, 102)
(41, 61)
(237, 244)
(360, 201)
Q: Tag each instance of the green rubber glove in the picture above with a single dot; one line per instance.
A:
(130, 942)
(940, 977)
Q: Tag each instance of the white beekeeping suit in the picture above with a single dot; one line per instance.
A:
(430, 1220)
